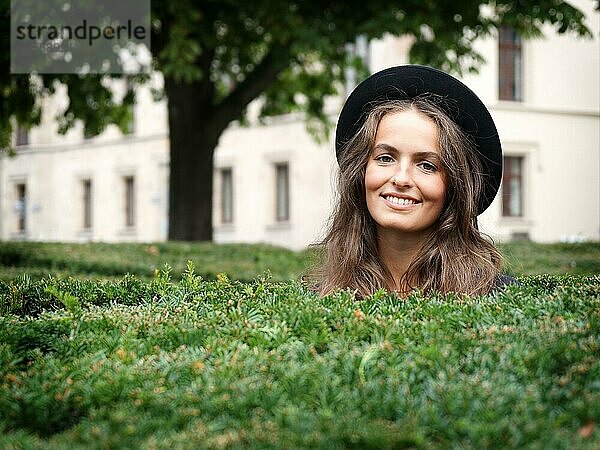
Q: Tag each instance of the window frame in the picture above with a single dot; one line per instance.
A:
(508, 176)
(130, 86)
(282, 192)
(20, 191)
(227, 197)
(510, 65)
(21, 136)
(87, 191)
(129, 197)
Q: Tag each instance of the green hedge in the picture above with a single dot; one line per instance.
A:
(239, 261)
(243, 261)
(263, 364)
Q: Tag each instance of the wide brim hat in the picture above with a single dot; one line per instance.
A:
(459, 102)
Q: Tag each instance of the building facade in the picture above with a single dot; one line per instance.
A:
(274, 183)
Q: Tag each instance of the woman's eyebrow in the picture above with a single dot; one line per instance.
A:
(389, 148)
(427, 155)
(385, 147)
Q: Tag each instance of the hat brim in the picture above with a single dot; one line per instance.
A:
(461, 105)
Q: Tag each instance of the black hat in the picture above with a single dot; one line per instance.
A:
(460, 104)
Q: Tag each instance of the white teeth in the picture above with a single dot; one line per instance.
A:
(400, 201)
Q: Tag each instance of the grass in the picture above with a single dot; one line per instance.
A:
(99, 260)
(530, 258)
(243, 261)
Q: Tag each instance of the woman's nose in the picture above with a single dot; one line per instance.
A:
(402, 176)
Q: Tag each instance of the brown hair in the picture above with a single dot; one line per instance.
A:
(456, 258)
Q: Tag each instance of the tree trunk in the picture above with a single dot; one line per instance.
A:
(193, 137)
(195, 125)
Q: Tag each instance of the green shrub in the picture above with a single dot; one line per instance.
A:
(529, 258)
(221, 363)
(242, 261)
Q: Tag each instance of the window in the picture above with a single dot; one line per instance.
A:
(22, 135)
(282, 192)
(359, 49)
(512, 187)
(510, 67)
(129, 88)
(226, 195)
(129, 201)
(21, 206)
(87, 204)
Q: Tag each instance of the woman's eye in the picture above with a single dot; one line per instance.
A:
(384, 158)
(427, 166)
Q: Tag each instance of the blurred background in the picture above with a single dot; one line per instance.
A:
(226, 134)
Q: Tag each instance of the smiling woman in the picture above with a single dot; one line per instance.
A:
(419, 159)
(404, 182)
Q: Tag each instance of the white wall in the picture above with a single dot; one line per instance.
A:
(556, 128)
(562, 169)
(53, 167)
(252, 153)
(55, 193)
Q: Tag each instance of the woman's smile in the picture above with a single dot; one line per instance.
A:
(400, 202)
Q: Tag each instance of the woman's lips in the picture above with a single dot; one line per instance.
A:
(402, 202)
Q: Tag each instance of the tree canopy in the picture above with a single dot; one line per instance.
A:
(216, 56)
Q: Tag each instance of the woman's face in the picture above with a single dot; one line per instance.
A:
(404, 179)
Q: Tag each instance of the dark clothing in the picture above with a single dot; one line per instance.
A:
(502, 281)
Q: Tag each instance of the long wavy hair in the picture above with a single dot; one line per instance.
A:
(456, 257)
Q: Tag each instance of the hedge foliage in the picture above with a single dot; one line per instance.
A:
(112, 261)
(200, 363)
(243, 261)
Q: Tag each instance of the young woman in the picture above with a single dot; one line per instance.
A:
(419, 159)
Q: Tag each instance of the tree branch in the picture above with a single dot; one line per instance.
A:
(207, 86)
(265, 73)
